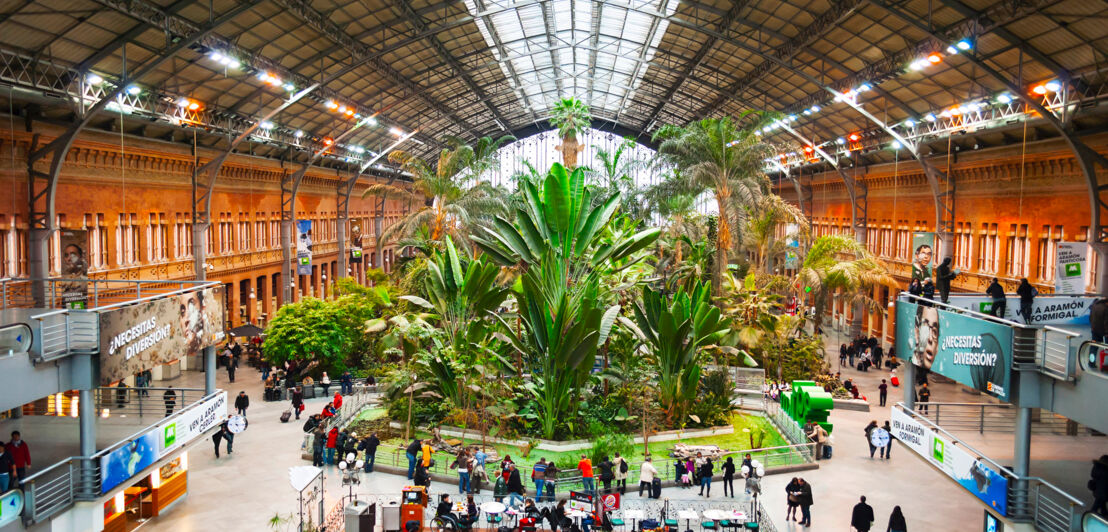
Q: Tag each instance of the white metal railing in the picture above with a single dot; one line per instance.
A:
(1055, 354)
(993, 417)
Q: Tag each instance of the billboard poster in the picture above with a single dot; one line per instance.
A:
(1047, 309)
(139, 337)
(123, 463)
(923, 251)
(792, 246)
(972, 351)
(356, 241)
(197, 420)
(1070, 268)
(967, 469)
(74, 268)
(304, 247)
(580, 501)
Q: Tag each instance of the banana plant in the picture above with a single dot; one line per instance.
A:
(675, 331)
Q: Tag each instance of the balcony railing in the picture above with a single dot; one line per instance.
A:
(17, 292)
(993, 417)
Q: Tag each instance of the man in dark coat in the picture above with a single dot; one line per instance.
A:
(1000, 301)
(943, 275)
(1099, 486)
(297, 401)
(170, 398)
(515, 485)
(862, 516)
(242, 402)
(369, 445)
(1098, 314)
(805, 501)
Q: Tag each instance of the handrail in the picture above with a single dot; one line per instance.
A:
(959, 310)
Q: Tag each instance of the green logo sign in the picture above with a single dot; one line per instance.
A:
(305, 261)
(169, 436)
(985, 307)
(1073, 269)
(937, 448)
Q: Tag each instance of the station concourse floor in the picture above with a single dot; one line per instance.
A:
(244, 490)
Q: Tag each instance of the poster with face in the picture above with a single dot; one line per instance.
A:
(355, 241)
(923, 251)
(74, 268)
(304, 247)
(139, 337)
(972, 351)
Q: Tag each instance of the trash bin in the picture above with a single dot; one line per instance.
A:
(360, 517)
(390, 516)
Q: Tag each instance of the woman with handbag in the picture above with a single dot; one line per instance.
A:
(792, 490)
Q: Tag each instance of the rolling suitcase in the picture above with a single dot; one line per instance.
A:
(656, 489)
(285, 416)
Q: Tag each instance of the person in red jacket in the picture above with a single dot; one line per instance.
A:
(21, 454)
(328, 411)
(337, 401)
(332, 436)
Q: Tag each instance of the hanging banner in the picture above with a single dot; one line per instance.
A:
(968, 470)
(1046, 309)
(74, 270)
(304, 247)
(139, 337)
(792, 247)
(123, 463)
(972, 351)
(923, 250)
(356, 241)
(1070, 268)
(195, 421)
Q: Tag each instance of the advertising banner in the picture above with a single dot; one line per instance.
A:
(74, 271)
(792, 247)
(121, 464)
(304, 247)
(972, 351)
(196, 421)
(610, 501)
(1047, 309)
(1070, 267)
(968, 470)
(355, 241)
(580, 501)
(923, 251)
(139, 337)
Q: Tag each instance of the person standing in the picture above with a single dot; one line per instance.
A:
(319, 444)
(928, 292)
(924, 397)
(551, 481)
(886, 452)
(427, 452)
(242, 402)
(706, 472)
(538, 475)
(588, 483)
(369, 445)
(461, 463)
(944, 274)
(606, 474)
(861, 518)
(621, 469)
(515, 486)
(729, 477)
(1098, 484)
(792, 492)
(232, 365)
(883, 391)
(646, 476)
(1027, 295)
(805, 500)
(1000, 301)
(297, 401)
(337, 400)
(332, 442)
(412, 451)
(170, 398)
(896, 521)
(21, 455)
(7, 469)
(869, 437)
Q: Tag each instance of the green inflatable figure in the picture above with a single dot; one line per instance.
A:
(808, 403)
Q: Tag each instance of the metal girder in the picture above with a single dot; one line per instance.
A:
(43, 185)
(551, 34)
(130, 35)
(641, 56)
(857, 190)
(363, 54)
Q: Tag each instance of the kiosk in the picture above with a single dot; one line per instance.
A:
(413, 500)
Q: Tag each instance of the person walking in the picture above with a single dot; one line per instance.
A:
(588, 483)
(515, 486)
(538, 476)
(461, 463)
(170, 398)
(332, 442)
(242, 402)
(325, 381)
(886, 451)
(805, 500)
(706, 471)
(21, 456)
(337, 400)
(217, 439)
(297, 401)
(621, 468)
(319, 444)
(869, 439)
(896, 521)
(729, 477)
(1000, 301)
(944, 274)
(228, 436)
(924, 397)
(1098, 484)
(232, 365)
(883, 391)
(412, 452)
(842, 355)
(647, 472)
(1027, 295)
(792, 494)
(861, 518)
(606, 474)
(369, 445)
(346, 383)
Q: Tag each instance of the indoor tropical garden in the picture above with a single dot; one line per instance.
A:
(610, 296)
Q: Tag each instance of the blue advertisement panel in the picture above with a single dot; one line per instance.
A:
(122, 464)
(304, 247)
(972, 351)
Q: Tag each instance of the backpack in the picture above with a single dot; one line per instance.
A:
(623, 466)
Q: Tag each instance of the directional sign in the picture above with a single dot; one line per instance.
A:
(11, 506)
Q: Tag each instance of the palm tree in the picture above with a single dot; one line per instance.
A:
(761, 229)
(453, 200)
(723, 156)
(678, 212)
(616, 175)
(571, 116)
(473, 161)
(840, 263)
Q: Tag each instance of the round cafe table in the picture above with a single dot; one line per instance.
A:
(736, 517)
(493, 507)
(688, 516)
(634, 516)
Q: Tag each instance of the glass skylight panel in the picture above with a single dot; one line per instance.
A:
(548, 50)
